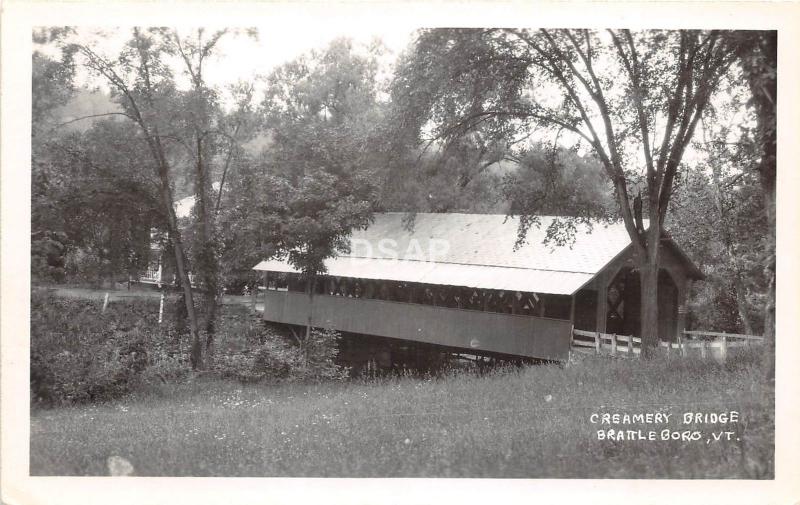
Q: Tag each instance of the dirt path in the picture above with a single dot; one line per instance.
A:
(121, 294)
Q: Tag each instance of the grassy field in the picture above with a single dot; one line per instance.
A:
(528, 423)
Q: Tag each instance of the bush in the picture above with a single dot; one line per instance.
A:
(238, 329)
(319, 353)
(272, 360)
(47, 256)
(79, 354)
(166, 366)
(273, 357)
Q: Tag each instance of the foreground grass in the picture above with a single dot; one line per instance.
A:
(532, 423)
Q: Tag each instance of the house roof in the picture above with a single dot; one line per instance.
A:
(184, 206)
(474, 250)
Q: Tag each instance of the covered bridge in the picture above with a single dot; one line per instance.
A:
(457, 281)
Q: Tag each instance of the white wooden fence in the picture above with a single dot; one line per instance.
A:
(604, 343)
(695, 343)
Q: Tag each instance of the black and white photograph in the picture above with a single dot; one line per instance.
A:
(498, 249)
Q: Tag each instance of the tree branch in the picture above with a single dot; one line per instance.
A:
(613, 167)
(97, 115)
(225, 169)
(597, 95)
(632, 67)
(568, 88)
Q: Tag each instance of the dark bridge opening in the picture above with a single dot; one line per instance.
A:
(623, 306)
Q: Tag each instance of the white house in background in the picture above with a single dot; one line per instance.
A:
(154, 274)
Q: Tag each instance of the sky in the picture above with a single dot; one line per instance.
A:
(242, 57)
(280, 44)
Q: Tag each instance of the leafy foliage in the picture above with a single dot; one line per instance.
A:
(322, 111)
(52, 87)
(504, 85)
(80, 354)
(92, 189)
(175, 140)
(48, 256)
(274, 359)
(444, 183)
(634, 98)
(758, 55)
(561, 183)
(719, 217)
(319, 177)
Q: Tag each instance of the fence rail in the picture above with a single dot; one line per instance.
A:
(723, 334)
(706, 343)
(623, 345)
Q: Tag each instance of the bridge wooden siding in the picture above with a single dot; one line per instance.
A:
(525, 336)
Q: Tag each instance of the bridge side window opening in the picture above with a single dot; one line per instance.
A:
(473, 299)
(278, 281)
(558, 306)
(521, 303)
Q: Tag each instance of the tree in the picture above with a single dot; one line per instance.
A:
(143, 85)
(52, 85)
(93, 189)
(758, 56)
(91, 204)
(438, 182)
(635, 98)
(559, 182)
(189, 137)
(322, 169)
(204, 135)
(718, 214)
(239, 230)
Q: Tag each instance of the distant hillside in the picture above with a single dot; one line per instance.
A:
(86, 103)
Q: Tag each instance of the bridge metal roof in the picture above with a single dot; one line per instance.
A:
(449, 274)
(474, 250)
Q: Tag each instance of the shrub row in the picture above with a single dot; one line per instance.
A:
(275, 358)
(80, 353)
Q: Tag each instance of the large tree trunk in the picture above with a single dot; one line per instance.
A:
(769, 270)
(648, 274)
(759, 58)
(181, 267)
(181, 263)
(740, 290)
(207, 262)
(310, 284)
(767, 170)
(181, 317)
